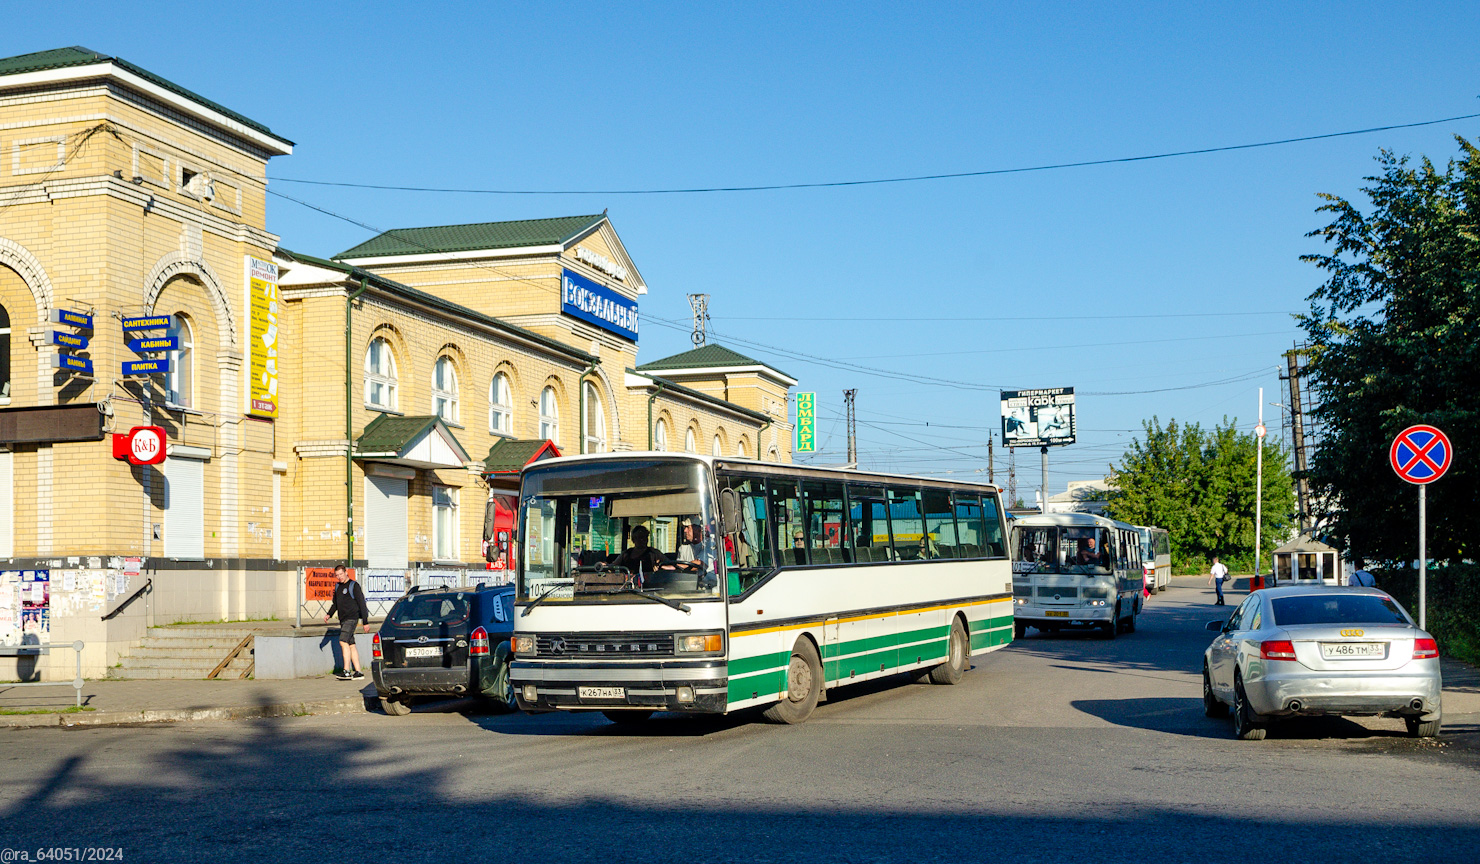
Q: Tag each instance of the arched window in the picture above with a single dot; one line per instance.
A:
(595, 421)
(660, 435)
(717, 448)
(690, 443)
(549, 415)
(774, 454)
(740, 449)
(4, 355)
(444, 390)
(180, 379)
(500, 405)
(380, 375)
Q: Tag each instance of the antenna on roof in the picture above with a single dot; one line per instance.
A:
(700, 304)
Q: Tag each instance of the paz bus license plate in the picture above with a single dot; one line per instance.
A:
(601, 692)
(1055, 613)
(1344, 650)
(424, 652)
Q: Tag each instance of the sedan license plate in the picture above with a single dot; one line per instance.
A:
(601, 692)
(1353, 650)
(423, 652)
(1055, 613)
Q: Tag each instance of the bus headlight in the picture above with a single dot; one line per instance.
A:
(698, 643)
(524, 644)
(1021, 601)
(1097, 602)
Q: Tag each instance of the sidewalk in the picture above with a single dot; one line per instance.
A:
(166, 700)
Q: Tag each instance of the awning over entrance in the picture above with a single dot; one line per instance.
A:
(417, 442)
(508, 455)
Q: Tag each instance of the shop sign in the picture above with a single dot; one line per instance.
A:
(602, 263)
(141, 445)
(158, 343)
(806, 423)
(71, 363)
(149, 322)
(319, 582)
(145, 367)
(262, 312)
(68, 340)
(71, 319)
(597, 304)
(384, 585)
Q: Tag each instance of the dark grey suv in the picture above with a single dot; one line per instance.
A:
(445, 642)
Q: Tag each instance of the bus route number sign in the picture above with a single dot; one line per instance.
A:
(1421, 454)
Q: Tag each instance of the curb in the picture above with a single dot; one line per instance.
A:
(351, 704)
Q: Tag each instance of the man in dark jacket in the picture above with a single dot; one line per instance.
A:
(349, 603)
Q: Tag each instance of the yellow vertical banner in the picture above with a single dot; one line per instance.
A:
(806, 422)
(263, 309)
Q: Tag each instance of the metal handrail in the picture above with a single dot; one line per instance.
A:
(18, 650)
(131, 598)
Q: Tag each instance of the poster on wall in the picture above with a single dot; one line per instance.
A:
(262, 314)
(25, 606)
(318, 582)
(383, 584)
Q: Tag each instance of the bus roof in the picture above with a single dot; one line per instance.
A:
(1073, 519)
(754, 466)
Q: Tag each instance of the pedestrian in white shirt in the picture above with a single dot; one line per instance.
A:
(1216, 577)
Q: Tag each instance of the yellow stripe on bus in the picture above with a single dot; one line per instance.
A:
(805, 624)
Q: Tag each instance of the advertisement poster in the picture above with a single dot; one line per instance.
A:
(1038, 418)
(383, 584)
(262, 312)
(25, 606)
(806, 423)
(318, 583)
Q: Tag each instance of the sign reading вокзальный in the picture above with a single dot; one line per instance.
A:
(597, 304)
(1038, 418)
(806, 423)
(262, 311)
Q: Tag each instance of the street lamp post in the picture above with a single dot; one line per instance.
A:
(1259, 431)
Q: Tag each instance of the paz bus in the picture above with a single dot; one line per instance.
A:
(701, 584)
(1156, 557)
(1076, 570)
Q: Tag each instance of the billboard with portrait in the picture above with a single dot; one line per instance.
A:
(1038, 418)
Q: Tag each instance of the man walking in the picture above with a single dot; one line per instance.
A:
(1216, 577)
(1361, 578)
(349, 603)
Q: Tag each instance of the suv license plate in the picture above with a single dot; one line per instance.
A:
(423, 652)
(1352, 650)
(601, 692)
(1055, 613)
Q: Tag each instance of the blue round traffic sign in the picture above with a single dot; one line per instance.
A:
(1421, 454)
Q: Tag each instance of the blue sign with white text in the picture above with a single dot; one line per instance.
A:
(597, 304)
(146, 367)
(162, 343)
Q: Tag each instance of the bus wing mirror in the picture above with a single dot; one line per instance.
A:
(729, 510)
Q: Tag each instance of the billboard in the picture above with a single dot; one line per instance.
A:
(1038, 418)
(806, 423)
(262, 351)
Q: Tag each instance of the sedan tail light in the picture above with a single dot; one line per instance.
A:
(480, 642)
(1278, 649)
(1425, 649)
(375, 646)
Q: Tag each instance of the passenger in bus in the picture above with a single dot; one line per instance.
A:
(695, 552)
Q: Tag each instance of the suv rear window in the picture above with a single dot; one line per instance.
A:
(1337, 609)
(427, 609)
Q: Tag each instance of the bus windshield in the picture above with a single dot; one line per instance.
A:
(1048, 549)
(613, 531)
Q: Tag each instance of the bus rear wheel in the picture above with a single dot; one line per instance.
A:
(958, 657)
(803, 686)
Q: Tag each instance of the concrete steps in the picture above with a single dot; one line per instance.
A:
(185, 652)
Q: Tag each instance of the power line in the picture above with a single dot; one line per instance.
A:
(771, 187)
(1073, 345)
(811, 319)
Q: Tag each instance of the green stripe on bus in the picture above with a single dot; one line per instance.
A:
(992, 623)
(768, 684)
(746, 665)
(888, 640)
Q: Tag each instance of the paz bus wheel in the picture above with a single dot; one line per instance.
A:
(803, 686)
(958, 657)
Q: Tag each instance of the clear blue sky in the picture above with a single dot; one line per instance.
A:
(1026, 269)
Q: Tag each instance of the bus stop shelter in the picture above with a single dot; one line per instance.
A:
(1306, 559)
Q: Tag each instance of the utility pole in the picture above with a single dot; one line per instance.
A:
(1043, 504)
(991, 463)
(700, 304)
(1258, 484)
(848, 397)
(1297, 435)
(1012, 476)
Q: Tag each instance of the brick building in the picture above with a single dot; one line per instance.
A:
(365, 405)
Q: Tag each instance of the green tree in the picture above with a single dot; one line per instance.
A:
(1199, 485)
(1395, 341)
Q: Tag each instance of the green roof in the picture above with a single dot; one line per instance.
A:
(389, 433)
(705, 356)
(62, 58)
(468, 238)
(508, 455)
(699, 395)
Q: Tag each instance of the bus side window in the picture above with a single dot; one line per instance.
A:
(993, 545)
(869, 523)
(749, 549)
(971, 526)
(908, 527)
(940, 524)
(826, 522)
(786, 514)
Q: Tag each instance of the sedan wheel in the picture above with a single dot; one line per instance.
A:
(1212, 705)
(1244, 725)
(1422, 728)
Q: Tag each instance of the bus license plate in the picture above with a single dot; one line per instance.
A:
(1054, 613)
(1352, 650)
(601, 692)
(424, 652)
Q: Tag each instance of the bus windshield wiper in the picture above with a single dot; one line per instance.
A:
(657, 598)
(540, 599)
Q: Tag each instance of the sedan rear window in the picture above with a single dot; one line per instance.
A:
(430, 609)
(1337, 609)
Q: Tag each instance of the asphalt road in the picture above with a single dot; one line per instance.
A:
(1050, 750)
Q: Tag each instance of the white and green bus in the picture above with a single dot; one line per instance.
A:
(666, 582)
(1076, 570)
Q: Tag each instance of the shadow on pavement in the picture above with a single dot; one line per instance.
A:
(1184, 716)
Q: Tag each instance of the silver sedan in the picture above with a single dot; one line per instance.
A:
(1305, 651)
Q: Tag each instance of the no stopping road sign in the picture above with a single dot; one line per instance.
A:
(1421, 454)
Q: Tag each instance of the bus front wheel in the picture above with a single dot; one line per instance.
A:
(958, 657)
(803, 686)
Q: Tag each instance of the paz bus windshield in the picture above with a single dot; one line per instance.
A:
(611, 531)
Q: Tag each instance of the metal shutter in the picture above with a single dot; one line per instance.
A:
(385, 523)
(7, 499)
(184, 509)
